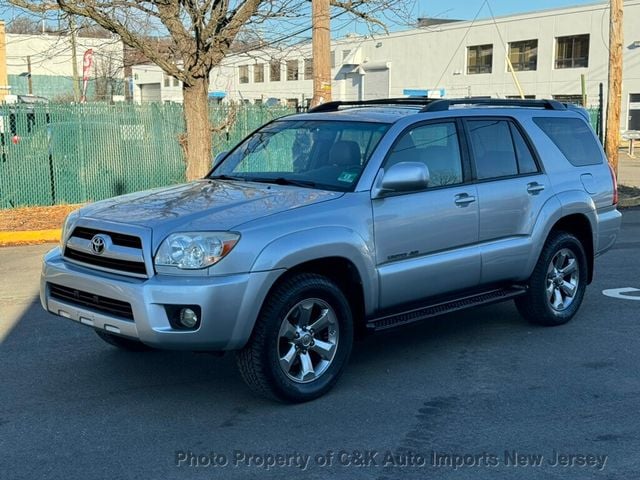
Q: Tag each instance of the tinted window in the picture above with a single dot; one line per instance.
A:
(574, 138)
(526, 163)
(436, 145)
(492, 148)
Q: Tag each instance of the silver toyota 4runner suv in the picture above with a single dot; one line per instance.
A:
(353, 217)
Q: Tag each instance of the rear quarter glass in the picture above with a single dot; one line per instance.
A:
(574, 138)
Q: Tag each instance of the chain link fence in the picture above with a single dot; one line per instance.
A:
(65, 153)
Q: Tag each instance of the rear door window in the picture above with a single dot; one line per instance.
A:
(526, 162)
(492, 148)
(574, 139)
(499, 149)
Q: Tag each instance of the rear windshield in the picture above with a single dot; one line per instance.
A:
(574, 138)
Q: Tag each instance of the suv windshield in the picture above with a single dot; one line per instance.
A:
(315, 154)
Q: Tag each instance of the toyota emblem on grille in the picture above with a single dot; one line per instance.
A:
(98, 243)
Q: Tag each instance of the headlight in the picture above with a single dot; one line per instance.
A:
(195, 250)
(67, 227)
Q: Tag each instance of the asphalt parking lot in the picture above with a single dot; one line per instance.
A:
(479, 394)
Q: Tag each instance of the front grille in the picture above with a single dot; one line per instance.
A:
(98, 303)
(117, 238)
(125, 266)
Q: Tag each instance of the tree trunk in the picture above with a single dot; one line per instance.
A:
(197, 141)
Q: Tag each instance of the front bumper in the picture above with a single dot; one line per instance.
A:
(230, 304)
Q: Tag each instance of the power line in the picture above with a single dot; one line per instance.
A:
(464, 37)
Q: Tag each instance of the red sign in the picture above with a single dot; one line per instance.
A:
(86, 67)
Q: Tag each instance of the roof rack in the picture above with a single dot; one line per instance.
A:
(444, 104)
(409, 101)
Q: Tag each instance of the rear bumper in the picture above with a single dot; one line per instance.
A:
(609, 222)
(229, 304)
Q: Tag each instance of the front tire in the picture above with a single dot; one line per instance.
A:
(558, 282)
(301, 341)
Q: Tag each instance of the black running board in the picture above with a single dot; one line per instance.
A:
(453, 305)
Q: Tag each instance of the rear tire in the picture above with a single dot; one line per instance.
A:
(301, 341)
(558, 282)
(122, 343)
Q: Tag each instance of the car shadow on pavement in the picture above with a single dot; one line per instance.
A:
(49, 358)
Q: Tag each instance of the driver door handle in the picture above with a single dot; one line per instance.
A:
(464, 199)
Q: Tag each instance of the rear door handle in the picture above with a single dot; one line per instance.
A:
(534, 188)
(464, 199)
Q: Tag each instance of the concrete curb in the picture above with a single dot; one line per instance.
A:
(29, 237)
(629, 202)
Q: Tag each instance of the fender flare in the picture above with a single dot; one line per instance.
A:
(291, 250)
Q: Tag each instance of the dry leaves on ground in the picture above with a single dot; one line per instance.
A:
(34, 218)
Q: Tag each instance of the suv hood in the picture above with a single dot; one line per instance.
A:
(203, 205)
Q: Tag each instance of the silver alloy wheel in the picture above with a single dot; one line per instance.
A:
(563, 276)
(308, 340)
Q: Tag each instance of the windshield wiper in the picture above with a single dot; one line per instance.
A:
(283, 181)
(227, 177)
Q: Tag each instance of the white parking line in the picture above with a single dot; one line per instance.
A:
(620, 293)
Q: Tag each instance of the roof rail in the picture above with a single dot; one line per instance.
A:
(444, 104)
(333, 106)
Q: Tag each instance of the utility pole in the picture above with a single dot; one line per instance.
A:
(29, 80)
(321, 39)
(614, 96)
(74, 59)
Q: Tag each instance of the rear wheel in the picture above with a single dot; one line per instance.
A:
(558, 282)
(301, 342)
(122, 343)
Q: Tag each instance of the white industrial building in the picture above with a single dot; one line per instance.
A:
(49, 59)
(550, 50)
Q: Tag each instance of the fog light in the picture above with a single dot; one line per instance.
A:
(188, 318)
(184, 317)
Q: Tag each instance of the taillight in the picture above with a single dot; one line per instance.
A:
(615, 184)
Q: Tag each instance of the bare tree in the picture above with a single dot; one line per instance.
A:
(108, 69)
(24, 26)
(202, 33)
(89, 29)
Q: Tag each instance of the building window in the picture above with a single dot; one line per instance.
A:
(345, 54)
(572, 52)
(292, 102)
(333, 58)
(575, 98)
(274, 68)
(167, 80)
(176, 82)
(524, 55)
(292, 69)
(308, 68)
(258, 73)
(243, 71)
(479, 59)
